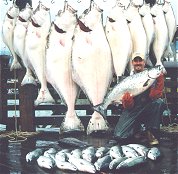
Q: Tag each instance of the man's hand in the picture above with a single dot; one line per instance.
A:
(157, 91)
(127, 101)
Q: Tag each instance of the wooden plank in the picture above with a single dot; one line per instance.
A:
(26, 106)
(3, 91)
(169, 64)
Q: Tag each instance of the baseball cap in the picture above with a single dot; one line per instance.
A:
(137, 56)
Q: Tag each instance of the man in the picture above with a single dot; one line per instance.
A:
(145, 108)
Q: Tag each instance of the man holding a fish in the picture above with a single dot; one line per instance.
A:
(145, 108)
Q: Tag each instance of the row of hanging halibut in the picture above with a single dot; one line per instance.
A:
(76, 52)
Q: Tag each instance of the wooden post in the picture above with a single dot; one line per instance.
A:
(26, 104)
(3, 88)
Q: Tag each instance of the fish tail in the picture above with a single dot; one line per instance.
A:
(100, 109)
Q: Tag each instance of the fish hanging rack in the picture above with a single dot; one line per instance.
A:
(6, 2)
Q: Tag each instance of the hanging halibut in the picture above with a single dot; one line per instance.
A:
(161, 33)
(20, 32)
(35, 45)
(119, 38)
(59, 68)
(136, 29)
(171, 24)
(148, 25)
(7, 33)
(92, 62)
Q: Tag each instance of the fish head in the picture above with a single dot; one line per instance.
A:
(155, 10)
(92, 16)
(13, 11)
(67, 18)
(160, 2)
(105, 5)
(155, 72)
(124, 3)
(61, 156)
(29, 157)
(26, 13)
(116, 12)
(167, 6)
(41, 14)
(45, 162)
(137, 3)
(154, 153)
(145, 9)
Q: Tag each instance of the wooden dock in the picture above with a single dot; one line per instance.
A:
(12, 155)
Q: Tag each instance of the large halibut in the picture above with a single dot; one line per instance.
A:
(59, 68)
(161, 33)
(119, 38)
(19, 36)
(35, 47)
(171, 24)
(92, 62)
(8, 32)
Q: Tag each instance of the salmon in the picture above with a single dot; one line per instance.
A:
(134, 84)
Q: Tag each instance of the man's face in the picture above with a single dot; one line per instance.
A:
(138, 65)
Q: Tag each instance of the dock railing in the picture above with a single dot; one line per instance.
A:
(19, 103)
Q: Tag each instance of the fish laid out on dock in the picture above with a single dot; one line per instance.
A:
(72, 142)
(46, 162)
(154, 153)
(85, 159)
(33, 155)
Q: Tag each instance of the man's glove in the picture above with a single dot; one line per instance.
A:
(157, 90)
(127, 100)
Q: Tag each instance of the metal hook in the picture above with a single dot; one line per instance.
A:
(6, 2)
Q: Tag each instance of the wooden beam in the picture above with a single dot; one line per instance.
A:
(26, 104)
(4, 60)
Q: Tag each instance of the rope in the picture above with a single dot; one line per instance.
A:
(172, 127)
(166, 102)
(17, 136)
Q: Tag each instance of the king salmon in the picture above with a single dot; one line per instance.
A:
(134, 84)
